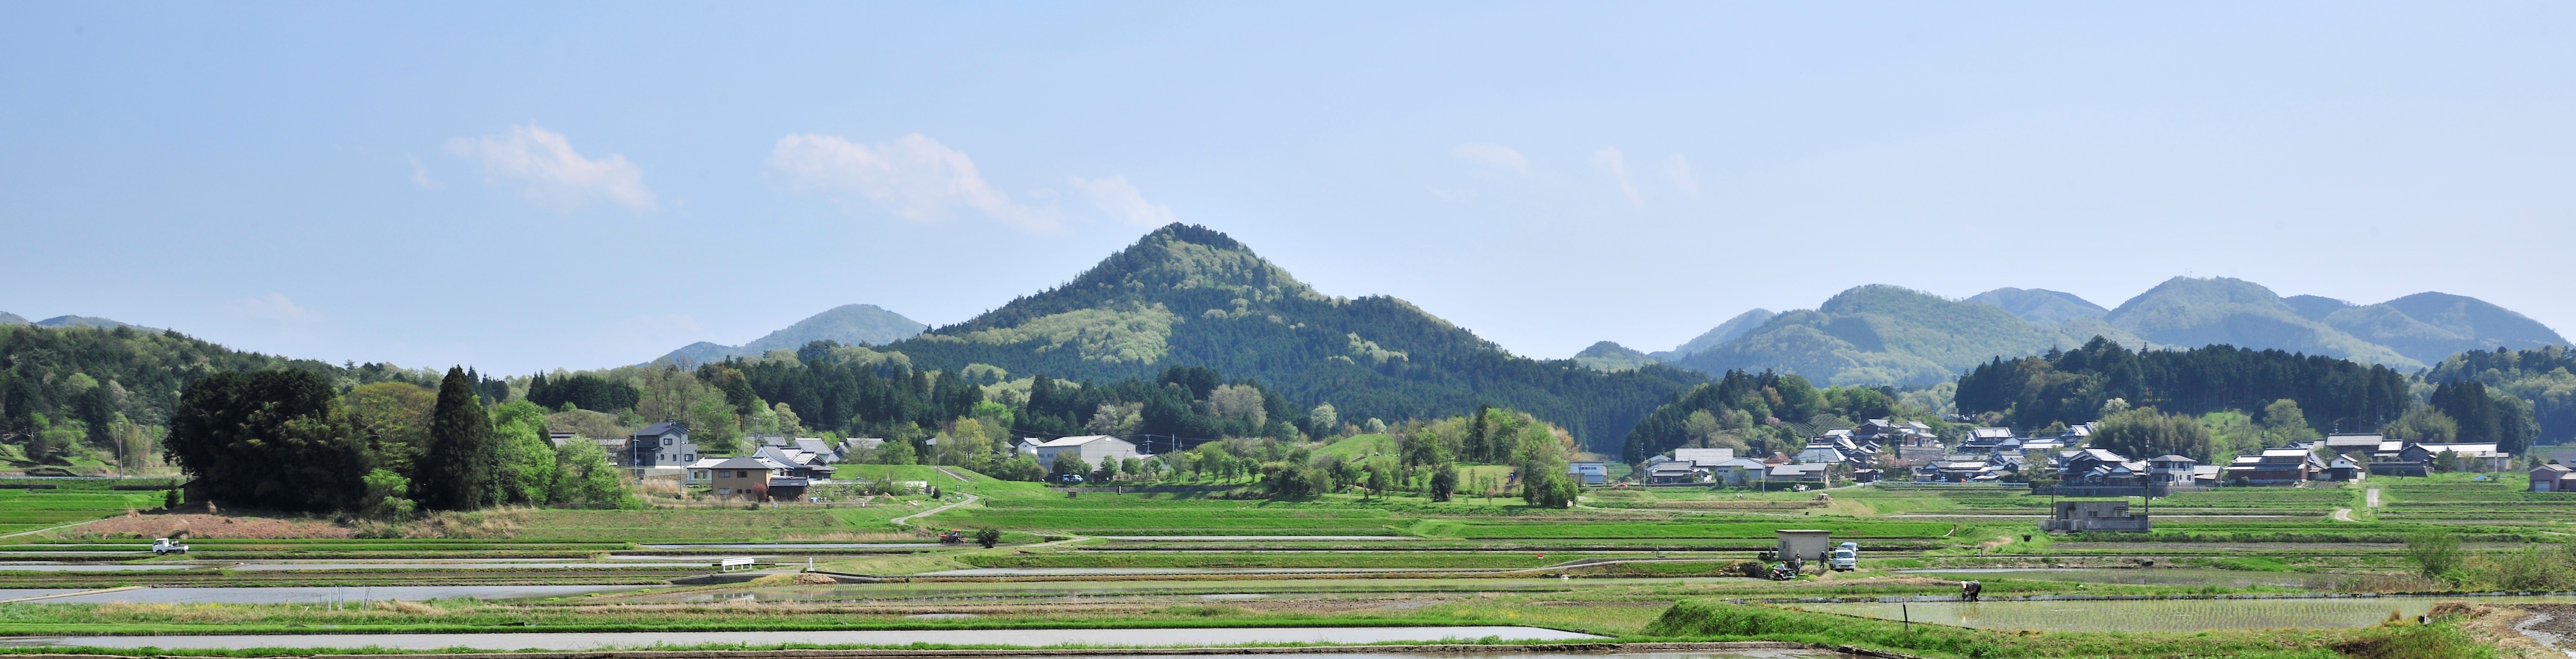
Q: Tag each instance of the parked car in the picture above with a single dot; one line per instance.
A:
(166, 546)
(1846, 557)
(1069, 479)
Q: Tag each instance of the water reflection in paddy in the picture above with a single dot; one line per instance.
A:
(2146, 576)
(572, 641)
(2160, 615)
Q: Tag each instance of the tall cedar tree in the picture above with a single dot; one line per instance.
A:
(265, 440)
(456, 473)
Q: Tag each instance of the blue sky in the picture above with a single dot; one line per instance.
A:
(523, 186)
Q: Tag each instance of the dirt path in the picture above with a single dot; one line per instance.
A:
(907, 519)
(2370, 497)
(2343, 514)
(961, 479)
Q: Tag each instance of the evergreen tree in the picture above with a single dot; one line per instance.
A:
(457, 472)
(266, 439)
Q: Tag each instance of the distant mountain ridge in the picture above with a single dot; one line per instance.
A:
(7, 318)
(848, 324)
(1886, 335)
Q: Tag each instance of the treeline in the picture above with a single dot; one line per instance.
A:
(2542, 378)
(976, 412)
(1425, 460)
(2072, 386)
(88, 395)
(284, 440)
(1757, 414)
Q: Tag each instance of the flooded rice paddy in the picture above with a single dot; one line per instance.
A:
(298, 594)
(2160, 615)
(578, 641)
(2145, 576)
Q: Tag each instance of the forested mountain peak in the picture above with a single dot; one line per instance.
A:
(1610, 356)
(1190, 296)
(2040, 305)
(7, 318)
(2408, 332)
(1174, 258)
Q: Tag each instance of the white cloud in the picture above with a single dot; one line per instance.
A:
(1495, 155)
(914, 177)
(275, 307)
(1120, 198)
(1678, 169)
(1618, 163)
(420, 175)
(556, 176)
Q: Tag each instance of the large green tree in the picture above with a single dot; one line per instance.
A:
(266, 439)
(2145, 433)
(457, 472)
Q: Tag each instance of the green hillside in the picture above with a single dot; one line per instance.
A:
(2186, 311)
(1885, 335)
(1186, 295)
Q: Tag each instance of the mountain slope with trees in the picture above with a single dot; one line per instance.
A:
(1190, 296)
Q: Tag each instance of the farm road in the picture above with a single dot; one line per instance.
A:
(2343, 514)
(907, 519)
(2370, 497)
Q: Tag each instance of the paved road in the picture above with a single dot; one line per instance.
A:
(2343, 514)
(907, 519)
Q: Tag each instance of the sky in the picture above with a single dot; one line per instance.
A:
(537, 185)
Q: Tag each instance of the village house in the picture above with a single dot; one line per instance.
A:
(661, 445)
(2171, 469)
(799, 463)
(1671, 472)
(2553, 478)
(2074, 516)
(2274, 466)
(1740, 472)
(756, 479)
(1588, 472)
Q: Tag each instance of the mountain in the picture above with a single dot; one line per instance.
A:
(849, 324)
(1608, 356)
(1189, 296)
(7, 318)
(1889, 335)
(1886, 335)
(2408, 333)
(2040, 305)
(1726, 331)
(84, 321)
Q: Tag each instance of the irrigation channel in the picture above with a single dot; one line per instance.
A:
(2164, 615)
(583, 641)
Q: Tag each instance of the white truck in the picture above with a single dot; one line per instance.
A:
(162, 546)
(1846, 557)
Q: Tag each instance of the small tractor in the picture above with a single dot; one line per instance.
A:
(952, 537)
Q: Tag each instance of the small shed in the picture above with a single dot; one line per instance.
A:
(1809, 544)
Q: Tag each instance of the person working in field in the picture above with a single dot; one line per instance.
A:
(1969, 590)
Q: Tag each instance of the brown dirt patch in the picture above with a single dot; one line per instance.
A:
(2496, 624)
(206, 526)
